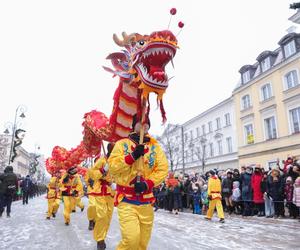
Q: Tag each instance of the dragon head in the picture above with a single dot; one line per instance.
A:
(143, 62)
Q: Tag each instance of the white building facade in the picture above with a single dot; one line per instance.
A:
(207, 141)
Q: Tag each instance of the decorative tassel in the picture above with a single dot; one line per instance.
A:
(163, 112)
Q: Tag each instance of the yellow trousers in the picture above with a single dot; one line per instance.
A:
(212, 205)
(53, 205)
(77, 202)
(68, 201)
(104, 210)
(136, 224)
(91, 210)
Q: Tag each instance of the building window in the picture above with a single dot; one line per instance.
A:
(246, 102)
(229, 144)
(295, 120)
(203, 129)
(191, 134)
(291, 79)
(198, 131)
(289, 49)
(185, 137)
(249, 134)
(211, 149)
(246, 77)
(220, 148)
(218, 123)
(270, 128)
(266, 92)
(210, 127)
(265, 64)
(227, 119)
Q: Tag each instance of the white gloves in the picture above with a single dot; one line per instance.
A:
(113, 186)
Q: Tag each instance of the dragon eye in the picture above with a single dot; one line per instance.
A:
(141, 42)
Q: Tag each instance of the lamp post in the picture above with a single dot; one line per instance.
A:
(21, 109)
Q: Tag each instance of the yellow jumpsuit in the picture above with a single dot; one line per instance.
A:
(102, 200)
(53, 196)
(214, 191)
(91, 210)
(135, 211)
(74, 183)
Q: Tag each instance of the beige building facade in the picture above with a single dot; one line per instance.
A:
(267, 105)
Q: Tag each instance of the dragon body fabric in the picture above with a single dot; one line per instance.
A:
(140, 67)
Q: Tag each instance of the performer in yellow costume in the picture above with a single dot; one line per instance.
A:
(134, 198)
(70, 186)
(214, 196)
(91, 210)
(77, 201)
(53, 195)
(101, 197)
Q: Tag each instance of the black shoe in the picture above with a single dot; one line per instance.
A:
(53, 215)
(222, 220)
(91, 225)
(82, 209)
(8, 215)
(67, 224)
(48, 218)
(207, 218)
(73, 211)
(155, 209)
(101, 245)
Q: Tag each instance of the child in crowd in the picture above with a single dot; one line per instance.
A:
(236, 197)
(288, 194)
(296, 195)
(197, 199)
(204, 199)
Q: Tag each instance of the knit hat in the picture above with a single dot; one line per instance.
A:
(72, 170)
(212, 172)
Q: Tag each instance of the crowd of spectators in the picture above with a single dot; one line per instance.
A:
(250, 191)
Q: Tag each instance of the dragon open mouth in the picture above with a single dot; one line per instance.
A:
(152, 61)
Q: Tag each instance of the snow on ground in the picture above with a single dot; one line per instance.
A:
(27, 229)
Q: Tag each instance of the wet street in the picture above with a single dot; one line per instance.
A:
(27, 229)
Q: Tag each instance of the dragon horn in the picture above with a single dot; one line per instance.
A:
(127, 39)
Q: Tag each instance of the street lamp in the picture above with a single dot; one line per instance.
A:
(21, 109)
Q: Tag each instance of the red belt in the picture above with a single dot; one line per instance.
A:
(215, 192)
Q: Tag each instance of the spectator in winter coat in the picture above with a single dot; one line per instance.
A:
(247, 191)
(296, 195)
(275, 190)
(26, 187)
(269, 205)
(257, 194)
(227, 191)
(288, 195)
(8, 189)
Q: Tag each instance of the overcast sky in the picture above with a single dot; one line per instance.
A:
(51, 53)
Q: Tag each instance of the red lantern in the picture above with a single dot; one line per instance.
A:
(173, 11)
(180, 24)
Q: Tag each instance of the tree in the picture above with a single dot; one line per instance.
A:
(171, 146)
(200, 151)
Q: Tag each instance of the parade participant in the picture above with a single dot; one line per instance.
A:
(77, 201)
(8, 189)
(70, 186)
(26, 187)
(102, 199)
(134, 193)
(215, 198)
(53, 195)
(91, 210)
